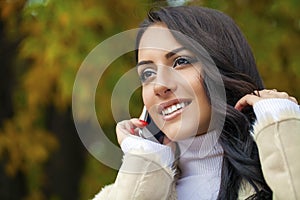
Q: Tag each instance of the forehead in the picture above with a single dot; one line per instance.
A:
(159, 37)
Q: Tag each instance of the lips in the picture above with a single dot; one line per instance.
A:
(170, 107)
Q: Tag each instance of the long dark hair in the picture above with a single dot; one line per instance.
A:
(230, 52)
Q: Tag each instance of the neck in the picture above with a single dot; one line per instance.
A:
(201, 155)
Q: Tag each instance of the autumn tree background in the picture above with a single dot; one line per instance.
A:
(44, 42)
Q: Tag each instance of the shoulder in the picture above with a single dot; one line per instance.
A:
(141, 171)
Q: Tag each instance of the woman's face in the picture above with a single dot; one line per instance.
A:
(173, 90)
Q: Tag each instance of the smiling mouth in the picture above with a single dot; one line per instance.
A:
(173, 108)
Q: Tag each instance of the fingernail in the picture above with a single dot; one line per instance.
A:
(143, 122)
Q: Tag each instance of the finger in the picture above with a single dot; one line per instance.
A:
(248, 99)
(131, 124)
(125, 127)
(122, 127)
(266, 92)
(274, 94)
(122, 131)
(136, 125)
(293, 99)
(138, 122)
(256, 92)
(283, 95)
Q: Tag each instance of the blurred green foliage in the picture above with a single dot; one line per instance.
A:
(43, 44)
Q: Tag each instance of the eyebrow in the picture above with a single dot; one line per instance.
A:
(173, 52)
(144, 62)
(168, 55)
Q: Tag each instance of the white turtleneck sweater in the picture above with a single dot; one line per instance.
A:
(201, 164)
(200, 160)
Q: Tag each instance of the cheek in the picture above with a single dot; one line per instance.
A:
(205, 110)
(147, 97)
(150, 103)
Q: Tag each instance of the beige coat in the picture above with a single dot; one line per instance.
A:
(279, 148)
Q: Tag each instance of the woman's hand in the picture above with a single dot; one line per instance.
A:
(126, 128)
(129, 127)
(251, 99)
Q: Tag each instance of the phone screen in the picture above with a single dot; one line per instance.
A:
(151, 131)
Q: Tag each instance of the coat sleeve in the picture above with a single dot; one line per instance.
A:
(141, 176)
(278, 140)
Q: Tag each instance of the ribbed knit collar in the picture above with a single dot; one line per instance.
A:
(201, 155)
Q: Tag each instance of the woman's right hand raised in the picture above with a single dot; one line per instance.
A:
(126, 128)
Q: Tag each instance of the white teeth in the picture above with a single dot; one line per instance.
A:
(173, 108)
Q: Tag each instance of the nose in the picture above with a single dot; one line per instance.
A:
(161, 90)
(164, 85)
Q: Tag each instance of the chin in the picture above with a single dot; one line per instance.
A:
(181, 134)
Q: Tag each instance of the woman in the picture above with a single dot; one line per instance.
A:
(236, 140)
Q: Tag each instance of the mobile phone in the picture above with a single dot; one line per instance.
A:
(151, 131)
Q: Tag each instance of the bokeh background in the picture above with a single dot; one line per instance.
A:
(44, 42)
